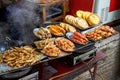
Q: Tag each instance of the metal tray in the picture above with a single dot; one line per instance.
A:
(81, 48)
(84, 48)
(6, 70)
(98, 41)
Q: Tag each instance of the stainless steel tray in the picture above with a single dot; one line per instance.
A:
(5, 71)
(5, 45)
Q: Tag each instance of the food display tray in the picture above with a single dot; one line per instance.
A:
(98, 41)
(6, 70)
(78, 49)
(6, 45)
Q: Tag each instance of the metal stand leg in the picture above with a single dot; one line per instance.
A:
(94, 71)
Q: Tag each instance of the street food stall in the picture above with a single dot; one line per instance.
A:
(47, 40)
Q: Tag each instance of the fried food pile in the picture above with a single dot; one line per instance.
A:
(42, 43)
(67, 27)
(42, 33)
(57, 30)
(100, 33)
(77, 22)
(20, 56)
(48, 47)
(91, 18)
(53, 46)
(64, 44)
(79, 38)
(51, 50)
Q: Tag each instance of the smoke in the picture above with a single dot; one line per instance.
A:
(23, 17)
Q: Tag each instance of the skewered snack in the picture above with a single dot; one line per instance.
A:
(91, 18)
(42, 33)
(79, 38)
(51, 50)
(64, 44)
(57, 30)
(77, 22)
(67, 27)
(20, 56)
(100, 33)
(42, 43)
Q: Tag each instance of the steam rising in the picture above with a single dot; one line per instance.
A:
(23, 18)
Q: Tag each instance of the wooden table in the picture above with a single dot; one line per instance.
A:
(64, 4)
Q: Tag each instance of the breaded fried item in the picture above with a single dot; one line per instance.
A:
(42, 43)
(57, 30)
(42, 33)
(68, 27)
(51, 50)
(77, 22)
(64, 44)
